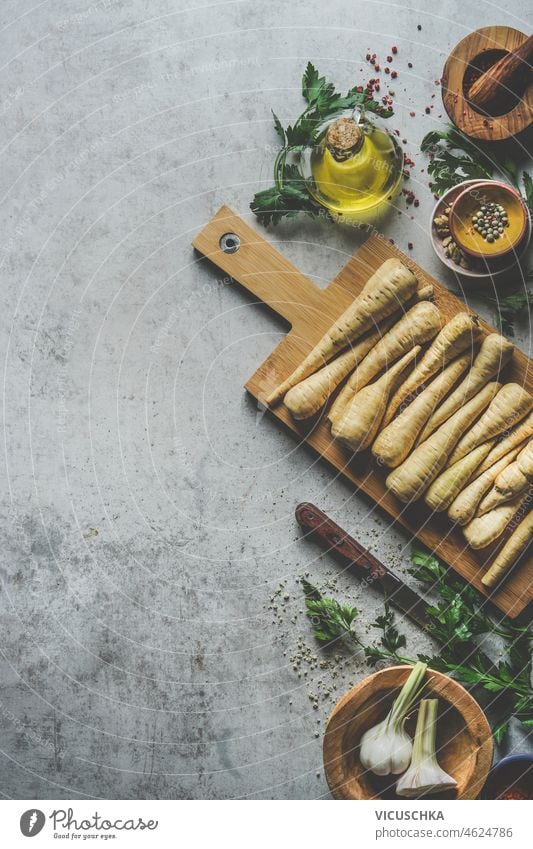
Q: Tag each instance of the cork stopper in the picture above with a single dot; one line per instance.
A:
(344, 137)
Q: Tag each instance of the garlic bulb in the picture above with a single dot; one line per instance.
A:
(425, 775)
(386, 748)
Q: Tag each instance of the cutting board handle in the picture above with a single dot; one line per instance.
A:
(256, 265)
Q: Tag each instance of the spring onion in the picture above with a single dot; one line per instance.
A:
(425, 775)
(387, 748)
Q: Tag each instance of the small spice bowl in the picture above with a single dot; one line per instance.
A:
(475, 271)
(464, 738)
(488, 220)
(511, 778)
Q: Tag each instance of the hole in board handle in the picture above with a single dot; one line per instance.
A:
(230, 243)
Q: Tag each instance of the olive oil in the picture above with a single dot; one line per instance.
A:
(355, 168)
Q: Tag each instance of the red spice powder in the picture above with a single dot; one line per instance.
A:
(518, 793)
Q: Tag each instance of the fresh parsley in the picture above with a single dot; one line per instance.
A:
(508, 308)
(331, 620)
(288, 196)
(456, 619)
(454, 158)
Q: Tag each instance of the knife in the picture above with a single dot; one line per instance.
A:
(318, 524)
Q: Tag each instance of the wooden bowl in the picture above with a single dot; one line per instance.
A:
(469, 201)
(464, 738)
(470, 50)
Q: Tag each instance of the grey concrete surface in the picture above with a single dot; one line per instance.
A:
(147, 504)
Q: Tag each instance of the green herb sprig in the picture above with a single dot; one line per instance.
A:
(509, 308)
(289, 196)
(331, 620)
(456, 619)
(455, 158)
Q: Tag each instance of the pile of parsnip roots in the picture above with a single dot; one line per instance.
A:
(425, 398)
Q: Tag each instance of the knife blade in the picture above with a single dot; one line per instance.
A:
(318, 524)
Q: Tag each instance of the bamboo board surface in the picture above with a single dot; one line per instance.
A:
(271, 278)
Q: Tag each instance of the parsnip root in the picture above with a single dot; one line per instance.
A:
(396, 440)
(483, 530)
(308, 397)
(416, 327)
(391, 286)
(511, 405)
(449, 484)
(494, 354)
(362, 417)
(464, 507)
(514, 439)
(456, 336)
(409, 481)
(514, 548)
(512, 481)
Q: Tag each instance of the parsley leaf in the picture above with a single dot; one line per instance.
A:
(278, 127)
(289, 195)
(456, 618)
(331, 620)
(508, 308)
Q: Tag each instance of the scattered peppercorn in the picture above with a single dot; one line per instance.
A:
(410, 246)
(409, 64)
(427, 110)
(395, 49)
(389, 58)
(394, 74)
(419, 27)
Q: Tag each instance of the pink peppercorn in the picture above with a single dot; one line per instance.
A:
(394, 74)
(394, 49)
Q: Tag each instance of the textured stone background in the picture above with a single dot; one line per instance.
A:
(148, 505)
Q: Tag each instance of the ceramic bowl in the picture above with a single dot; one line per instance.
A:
(464, 738)
(480, 269)
(515, 772)
(470, 201)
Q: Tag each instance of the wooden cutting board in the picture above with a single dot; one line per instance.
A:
(271, 278)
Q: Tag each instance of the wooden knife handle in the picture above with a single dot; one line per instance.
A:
(312, 519)
(497, 80)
